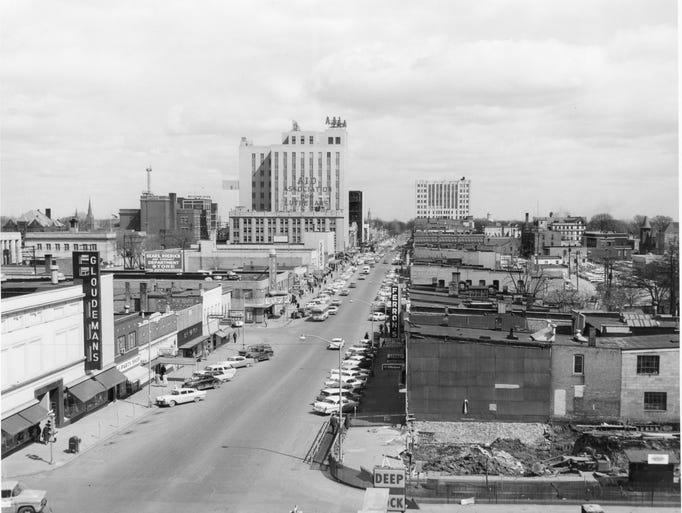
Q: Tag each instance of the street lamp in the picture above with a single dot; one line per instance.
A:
(371, 315)
(303, 337)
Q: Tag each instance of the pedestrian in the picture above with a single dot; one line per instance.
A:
(234, 337)
(162, 373)
(46, 434)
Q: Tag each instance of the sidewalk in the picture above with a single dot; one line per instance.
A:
(102, 424)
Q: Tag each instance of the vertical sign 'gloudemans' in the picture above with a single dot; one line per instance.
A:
(86, 269)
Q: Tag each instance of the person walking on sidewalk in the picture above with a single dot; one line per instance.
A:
(234, 337)
(162, 374)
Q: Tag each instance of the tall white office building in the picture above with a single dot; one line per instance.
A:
(444, 199)
(295, 186)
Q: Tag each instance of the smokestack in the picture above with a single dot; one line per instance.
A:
(526, 216)
(48, 213)
(149, 179)
(127, 296)
(592, 340)
(551, 214)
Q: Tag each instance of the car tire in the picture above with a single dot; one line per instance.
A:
(26, 509)
(171, 404)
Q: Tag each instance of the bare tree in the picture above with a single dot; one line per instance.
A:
(655, 278)
(525, 280)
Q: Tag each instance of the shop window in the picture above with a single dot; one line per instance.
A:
(648, 364)
(657, 401)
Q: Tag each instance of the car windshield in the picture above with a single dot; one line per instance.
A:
(175, 392)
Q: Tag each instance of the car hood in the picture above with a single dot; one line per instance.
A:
(32, 495)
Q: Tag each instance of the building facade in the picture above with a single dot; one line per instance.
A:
(355, 214)
(442, 198)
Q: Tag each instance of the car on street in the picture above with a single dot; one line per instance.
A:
(332, 310)
(331, 405)
(256, 352)
(379, 316)
(320, 315)
(19, 498)
(221, 371)
(337, 302)
(238, 323)
(344, 292)
(201, 381)
(352, 285)
(336, 343)
(179, 396)
(239, 361)
(326, 393)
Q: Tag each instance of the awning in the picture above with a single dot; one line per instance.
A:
(34, 414)
(110, 378)
(15, 424)
(86, 390)
(137, 374)
(221, 334)
(193, 343)
(174, 360)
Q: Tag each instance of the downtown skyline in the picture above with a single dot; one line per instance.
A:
(563, 107)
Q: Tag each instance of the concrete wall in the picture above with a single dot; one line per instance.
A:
(634, 385)
(599, 383)
(499, 382)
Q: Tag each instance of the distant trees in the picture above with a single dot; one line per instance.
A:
(659, 280)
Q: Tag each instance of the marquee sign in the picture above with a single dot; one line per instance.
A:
(86, 269)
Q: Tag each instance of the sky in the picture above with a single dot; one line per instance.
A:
(556, 106)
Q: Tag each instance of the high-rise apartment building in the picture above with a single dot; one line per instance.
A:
(301, 177)
(447, 199)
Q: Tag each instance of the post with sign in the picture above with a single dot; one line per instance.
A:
(395, 480)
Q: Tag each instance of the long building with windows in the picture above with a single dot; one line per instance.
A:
(299, 183)
(445, 199)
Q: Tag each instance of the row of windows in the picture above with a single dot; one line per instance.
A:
(125, 343)
(646, 364)
(67, 246)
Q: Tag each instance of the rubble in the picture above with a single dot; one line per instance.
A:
(528, 449)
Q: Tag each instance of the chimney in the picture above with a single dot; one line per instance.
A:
(592, 340)
(48, 213)
(551, 214)
(144, 298)
(127, 296)
(526, 216)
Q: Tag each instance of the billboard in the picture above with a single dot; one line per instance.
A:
(394, 316)
(86, 270)
(163, 261)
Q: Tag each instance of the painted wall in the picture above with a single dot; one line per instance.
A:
(499, 382)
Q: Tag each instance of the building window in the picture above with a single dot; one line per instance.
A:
(57, 247)
(75, 247)
(132, 341)
(655, 401)
(121, 344)
(579, 364)
(311, 140)
(66, 247)
(330, 140)
(293, 139)
(648, 364)
(48, 246)
(39, 246)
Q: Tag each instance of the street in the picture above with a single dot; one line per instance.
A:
(240, 450)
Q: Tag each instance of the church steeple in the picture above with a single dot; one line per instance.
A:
(89, 218)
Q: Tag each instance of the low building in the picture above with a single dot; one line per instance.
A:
(11, 247)
(61, 245)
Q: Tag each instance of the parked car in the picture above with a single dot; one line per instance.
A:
(221, 371)
(181, 395)
(201, 381)
(344, 292)
(331, 405)
(257, 352)
(337, 301)
(239, 361)
(336, 343)
(333, 310)
(379, 316)
(326, 393)
(238, 323)
(352, 285)
(19, 498)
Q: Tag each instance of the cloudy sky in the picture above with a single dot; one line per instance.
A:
(563, 106)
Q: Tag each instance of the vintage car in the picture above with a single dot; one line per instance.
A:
(19, 498)
(331, 405)
(336, 343)
(201, 381)
(238, 323)
(239, 361)
(222, 371)
(333, 310)
(181, 395)
(344, 292)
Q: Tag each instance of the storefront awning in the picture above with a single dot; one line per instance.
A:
(34, 414)
(137, 374)
(174, 360)
(110, 378)
(86, 390)
(15, 424)
(193, 343)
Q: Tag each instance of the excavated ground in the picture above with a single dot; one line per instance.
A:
(521, 449)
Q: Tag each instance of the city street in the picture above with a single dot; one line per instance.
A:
(240, 450)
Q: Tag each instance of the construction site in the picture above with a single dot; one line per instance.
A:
(536, 449)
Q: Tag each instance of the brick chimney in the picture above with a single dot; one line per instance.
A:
(48, 213)
(144, 298)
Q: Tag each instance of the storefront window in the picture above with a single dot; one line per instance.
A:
(74, 408)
